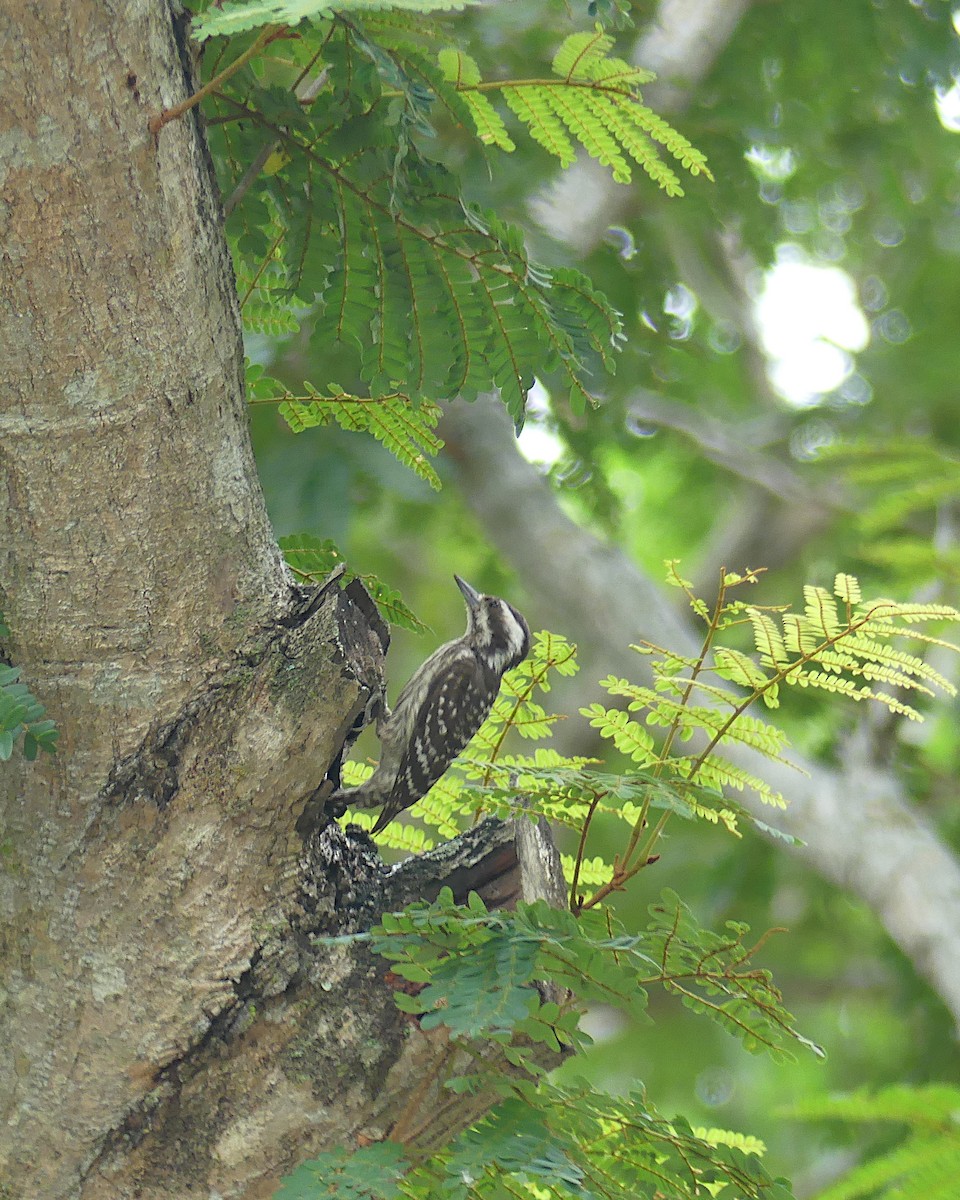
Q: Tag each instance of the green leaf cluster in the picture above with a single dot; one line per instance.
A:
(242, 15)
(924, 1162)
(405, 428)
(370, 1173)
(312, 559)
(371, 239)
(555, 1142)
(481, 974)
(595, 101)
(839, 643)
(22, 714)
(475, 971)
(903, 487)
(341, 221)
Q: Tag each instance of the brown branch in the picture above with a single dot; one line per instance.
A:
(267, 35)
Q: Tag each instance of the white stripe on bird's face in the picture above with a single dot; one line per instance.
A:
(518, 635)
(498, 632)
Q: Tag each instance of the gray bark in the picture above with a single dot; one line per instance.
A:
(172, 1026)
(311, 1051)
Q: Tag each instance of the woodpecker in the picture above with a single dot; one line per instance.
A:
(441, 707)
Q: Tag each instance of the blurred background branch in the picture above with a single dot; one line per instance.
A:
(786, 398)
(859, 828)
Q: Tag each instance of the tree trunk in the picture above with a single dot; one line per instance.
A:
(172, 1027)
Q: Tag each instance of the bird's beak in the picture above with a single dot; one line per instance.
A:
(471, 595)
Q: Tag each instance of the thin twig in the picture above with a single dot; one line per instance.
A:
(584, 830)
(171, 114)
(307, 96)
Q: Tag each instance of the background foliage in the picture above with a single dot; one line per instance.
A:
(822, 130)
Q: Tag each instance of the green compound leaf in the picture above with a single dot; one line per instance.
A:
(312, 559)
(22, 715)
(370, 1173)
(477, 969)
(254, 14)
(402, 426)
(921, 1165)
(595, 102)
(371, 239)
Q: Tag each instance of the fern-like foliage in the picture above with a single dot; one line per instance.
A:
(403, 427)
(22, 714)
(557, 1142)
(473, 972)
(476, 968)
(839, 643)
(434, 297)
(842, 643)
(242, 15)
(904, 489)
(264, 298)
(342, 221)
(923, 1165)
(312, 559)
(594, 101)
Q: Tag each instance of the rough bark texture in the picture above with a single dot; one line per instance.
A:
(171, 1027)
(310, 1051)
(134, 556)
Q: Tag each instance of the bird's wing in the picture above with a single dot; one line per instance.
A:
(450, 713)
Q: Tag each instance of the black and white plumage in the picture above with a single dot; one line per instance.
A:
(442, 706)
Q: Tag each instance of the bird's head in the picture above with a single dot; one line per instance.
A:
(497, 631)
